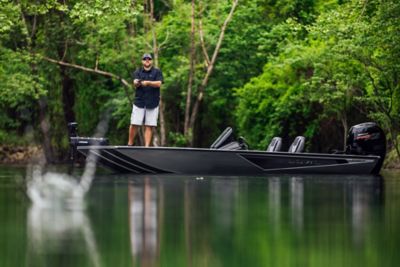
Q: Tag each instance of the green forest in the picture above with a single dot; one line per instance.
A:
(265, 67)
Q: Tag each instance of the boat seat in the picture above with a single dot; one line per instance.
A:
(240, 144)
(275, 145)
(223, 139)
(231, 146)
(298, 145)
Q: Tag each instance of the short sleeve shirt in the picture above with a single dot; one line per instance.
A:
(147, 96)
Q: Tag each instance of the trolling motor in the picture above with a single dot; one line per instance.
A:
(367, 139)
(75, 140)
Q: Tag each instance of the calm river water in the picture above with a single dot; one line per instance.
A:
(206, 221)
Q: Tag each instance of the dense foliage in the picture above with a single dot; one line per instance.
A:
(284, 68)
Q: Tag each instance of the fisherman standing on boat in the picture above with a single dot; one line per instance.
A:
(147, 81)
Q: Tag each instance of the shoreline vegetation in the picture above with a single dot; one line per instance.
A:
(266, 68)
(19, 154)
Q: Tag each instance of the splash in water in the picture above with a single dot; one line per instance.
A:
(46, 189)
(51, 189)
(58, 211)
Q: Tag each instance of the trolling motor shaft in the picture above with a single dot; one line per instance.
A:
(75, 140)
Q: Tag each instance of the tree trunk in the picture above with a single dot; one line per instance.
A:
(67, 86)
(394, 133)
(44, 123)
(68, 96)
(210, 67)
(45, 128)
(191, 74)
(155, 53)
(68, 92)
(345, 130)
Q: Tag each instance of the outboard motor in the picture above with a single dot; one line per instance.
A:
(75, 140)
(367, 139)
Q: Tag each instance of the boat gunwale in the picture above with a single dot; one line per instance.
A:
(247, 152)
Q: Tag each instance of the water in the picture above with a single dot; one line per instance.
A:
(206, 221)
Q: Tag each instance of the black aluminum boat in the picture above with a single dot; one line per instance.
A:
(366, 148)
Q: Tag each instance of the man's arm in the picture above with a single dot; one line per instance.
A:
(151, 83)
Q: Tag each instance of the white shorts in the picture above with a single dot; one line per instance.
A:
(149, 116)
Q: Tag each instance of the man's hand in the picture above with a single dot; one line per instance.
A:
(137, 82)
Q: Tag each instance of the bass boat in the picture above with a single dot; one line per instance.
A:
(364, 154)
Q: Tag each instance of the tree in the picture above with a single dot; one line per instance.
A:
(357, 34)
(210, 67)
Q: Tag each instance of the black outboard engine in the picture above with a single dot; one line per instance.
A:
(367, 139)
(75, 140)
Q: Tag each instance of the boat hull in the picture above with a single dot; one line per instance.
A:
(197, 161)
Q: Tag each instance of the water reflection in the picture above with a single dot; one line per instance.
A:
(224, 195)
(211, 213)
(52, 230)
(363, 197)
(274, 201)
(215, 221)
(296, 202)
(143, 221)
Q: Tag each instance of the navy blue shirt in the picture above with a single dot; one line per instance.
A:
(147, 96)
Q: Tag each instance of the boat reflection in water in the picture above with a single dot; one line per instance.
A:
(202, 220)
(364, 201)
(296, 185)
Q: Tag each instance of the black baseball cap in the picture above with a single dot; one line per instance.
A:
(146, 56)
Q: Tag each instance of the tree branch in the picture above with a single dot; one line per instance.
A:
(126, 84)
(96, 67)
(203, 46)
(65, 50)
(217, 48)
(34, 26)
(164, 42)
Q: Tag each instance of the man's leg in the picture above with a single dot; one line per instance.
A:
(137, 117)
(132, 134)
(150, 123)
(148, 133)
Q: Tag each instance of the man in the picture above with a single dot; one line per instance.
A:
(147, 81)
